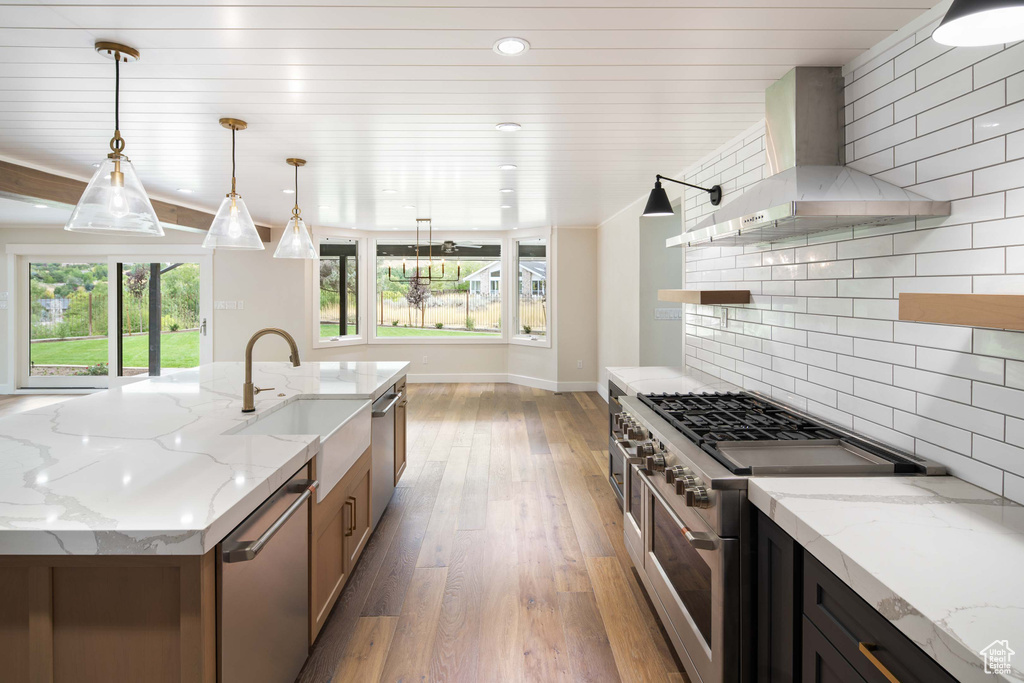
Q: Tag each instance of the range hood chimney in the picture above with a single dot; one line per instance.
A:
(808, 189)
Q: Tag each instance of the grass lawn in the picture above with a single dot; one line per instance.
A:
(177, 350)
(328, 330)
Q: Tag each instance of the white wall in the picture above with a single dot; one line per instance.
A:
(822, 332)
(618, 291)
(576, 305)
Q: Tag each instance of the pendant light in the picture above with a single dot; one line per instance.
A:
(295, 241)
(232, 227)
(658, 203)
(973, 23)
(114, 201)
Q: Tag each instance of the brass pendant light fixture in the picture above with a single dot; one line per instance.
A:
(417, 274)
(114, 201)
(232, 227)
(295, 241)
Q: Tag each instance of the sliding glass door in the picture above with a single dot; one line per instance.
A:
(92, 322)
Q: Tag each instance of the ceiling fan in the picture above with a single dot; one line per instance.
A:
(450, 247)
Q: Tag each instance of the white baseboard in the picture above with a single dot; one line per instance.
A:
(6, 388)
(499, 378)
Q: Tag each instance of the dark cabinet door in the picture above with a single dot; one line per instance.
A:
(822, 663)
(778, 606)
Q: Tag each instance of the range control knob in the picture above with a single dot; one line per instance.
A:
(697, 497)
(655, 462)
(636, 433)
(644, 449)
(672, 473)
(686, 481)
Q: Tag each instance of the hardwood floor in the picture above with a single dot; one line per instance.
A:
(501, 556)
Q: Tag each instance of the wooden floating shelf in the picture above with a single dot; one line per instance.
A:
(1003, 311)
(707, 297)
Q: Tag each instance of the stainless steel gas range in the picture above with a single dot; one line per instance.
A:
(685, 461)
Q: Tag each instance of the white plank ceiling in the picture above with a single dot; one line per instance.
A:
(404, 95)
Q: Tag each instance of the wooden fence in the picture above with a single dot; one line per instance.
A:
(459, 311)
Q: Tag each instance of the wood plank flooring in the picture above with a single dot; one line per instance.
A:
(501, 556)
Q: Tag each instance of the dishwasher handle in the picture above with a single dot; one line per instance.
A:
(243, 552)
(392, 404)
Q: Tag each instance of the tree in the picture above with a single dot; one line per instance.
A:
(419, 292)
(136, 281)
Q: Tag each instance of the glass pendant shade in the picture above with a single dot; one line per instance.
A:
(973, 23)
(232, 227)
(295, 242)
(114, 202)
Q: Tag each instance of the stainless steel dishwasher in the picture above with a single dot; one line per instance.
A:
(263, 591)
(382, 441)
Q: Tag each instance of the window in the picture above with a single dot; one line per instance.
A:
(464, 298)
(532, 305)
(339, 288)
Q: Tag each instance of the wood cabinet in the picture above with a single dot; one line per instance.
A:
(339, 529)
(814, 628)
(108, 618)
(400, 433)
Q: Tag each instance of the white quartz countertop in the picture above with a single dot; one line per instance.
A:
(147, 468)
(665, 380)
(941, 559)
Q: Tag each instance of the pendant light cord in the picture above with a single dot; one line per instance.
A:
(117, 92)
(296, 190)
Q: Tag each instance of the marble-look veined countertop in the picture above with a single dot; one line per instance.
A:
(941, 559)
(147, 468)
(665, 380)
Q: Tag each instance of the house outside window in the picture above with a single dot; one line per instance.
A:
(532, 309)
(456, 303)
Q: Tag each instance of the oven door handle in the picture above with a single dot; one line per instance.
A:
(699, 540)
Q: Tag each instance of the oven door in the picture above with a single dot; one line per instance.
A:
(696, 576)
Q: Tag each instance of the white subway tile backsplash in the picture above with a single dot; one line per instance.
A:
(1007, 232)
(937, 336)
(958, 440)
(1000, 399)
(861, 367)
(931, 144)
(936, 239)
(981, 155)
(959, 415)
(973, 262)
(822, 330)
(962, 108)
(878, 288)
(884, 309)
(888, 352)
(958, 364)
(872, 246)
(952, 388)
(885, 266)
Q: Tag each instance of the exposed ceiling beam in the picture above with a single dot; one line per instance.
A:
(21, 183)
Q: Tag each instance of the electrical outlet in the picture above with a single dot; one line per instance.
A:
(424, 360)
(723, 317)
(579, 365)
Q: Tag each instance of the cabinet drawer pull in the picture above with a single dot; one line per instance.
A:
(352, 516)
(866, 650)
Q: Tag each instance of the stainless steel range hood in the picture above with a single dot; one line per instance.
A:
(808, 189)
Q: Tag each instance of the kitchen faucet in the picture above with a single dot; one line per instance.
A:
(248, 390)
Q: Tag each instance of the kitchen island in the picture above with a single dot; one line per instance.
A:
(112, 507)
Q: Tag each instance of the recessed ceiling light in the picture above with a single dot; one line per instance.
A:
(506, 190)
(389, 191)
(408, 206)
(185, 190)
(40, 206)
(511, 46)
(506, 206)
(507, 167)
(288, 190)
(508, 126)
(96, 165)
(325, 208)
